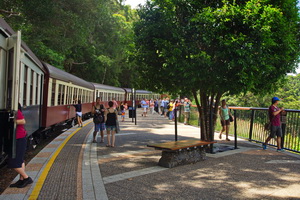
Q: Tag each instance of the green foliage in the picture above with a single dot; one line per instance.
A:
(74, 35)
(213, 47)
(289, 93)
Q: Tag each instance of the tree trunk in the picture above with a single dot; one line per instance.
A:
(208, 107)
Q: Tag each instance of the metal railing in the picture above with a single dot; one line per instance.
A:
(250, 123)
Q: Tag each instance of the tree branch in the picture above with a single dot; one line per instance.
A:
(11, 13)
(82, 63)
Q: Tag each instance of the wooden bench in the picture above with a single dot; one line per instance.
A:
(181, 152)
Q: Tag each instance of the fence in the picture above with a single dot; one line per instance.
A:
(250, 125)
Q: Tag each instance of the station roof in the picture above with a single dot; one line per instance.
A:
(67, 77)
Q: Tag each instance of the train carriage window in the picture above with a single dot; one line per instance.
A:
(86, 96)
(70, 95)
(37, 89)
(79, 94)
(25, 85)
(75, 94)
(59, 94)
(83, 96)
(53, 93)
(67, 95)
(31, 87)
(62, 95)
(101, 95)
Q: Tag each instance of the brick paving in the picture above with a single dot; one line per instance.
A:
(61, 182)
(85, 170)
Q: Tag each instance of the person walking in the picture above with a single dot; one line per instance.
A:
(225, 114)
(78, 109)
(275, 128)
(162, 106)
(99, 120)
(156, 107)
(187, 110)
(151, 105)
(122, 110)
(111, 116)
(144, 105)
(170, 110)
(166, 104)
(18, 163)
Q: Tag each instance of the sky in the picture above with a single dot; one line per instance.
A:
(135, 3)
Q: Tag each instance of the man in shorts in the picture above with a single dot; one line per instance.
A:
(275, 130)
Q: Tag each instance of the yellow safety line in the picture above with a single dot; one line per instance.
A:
(37, 189)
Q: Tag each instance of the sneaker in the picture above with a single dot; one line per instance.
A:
(280, 150)
(16, 184)
(264, 146)
(25, 182)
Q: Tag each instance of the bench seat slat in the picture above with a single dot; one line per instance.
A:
(182, 144)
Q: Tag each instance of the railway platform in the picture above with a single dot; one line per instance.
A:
(72, 167)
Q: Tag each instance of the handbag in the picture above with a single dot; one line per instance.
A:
(117, 127)
(230, 118)
(98, 119)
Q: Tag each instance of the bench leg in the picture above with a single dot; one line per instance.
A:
(171, 159)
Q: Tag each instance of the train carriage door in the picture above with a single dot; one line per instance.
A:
(3, 112)
(12, 91)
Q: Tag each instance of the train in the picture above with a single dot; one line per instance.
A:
(45, 92)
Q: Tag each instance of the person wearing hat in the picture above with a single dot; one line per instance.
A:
(275, 130)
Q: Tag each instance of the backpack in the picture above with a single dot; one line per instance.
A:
(168, 106)
(98, 118)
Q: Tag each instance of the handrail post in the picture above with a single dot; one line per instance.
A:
(251, 125)
(175, 115)
(235, 130)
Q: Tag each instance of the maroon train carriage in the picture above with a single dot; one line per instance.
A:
(107, 93)
(61, 88)
(140, 94)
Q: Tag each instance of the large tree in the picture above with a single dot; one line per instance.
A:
(217, 46)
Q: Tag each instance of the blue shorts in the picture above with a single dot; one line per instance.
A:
(111, 128)
(100, 127)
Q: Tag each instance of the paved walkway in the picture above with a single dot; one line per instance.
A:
(71, 167)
